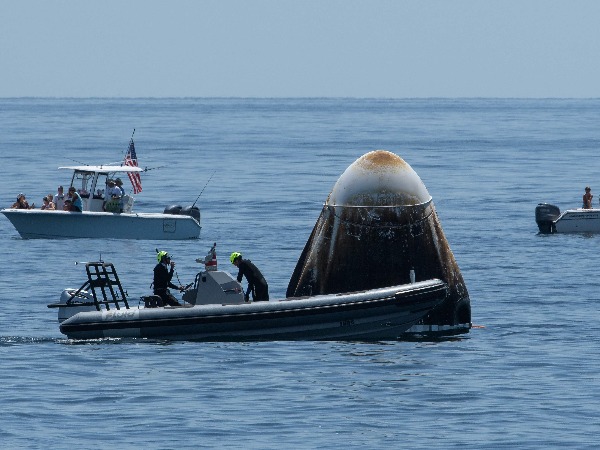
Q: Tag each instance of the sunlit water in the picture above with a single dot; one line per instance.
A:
(526, 377)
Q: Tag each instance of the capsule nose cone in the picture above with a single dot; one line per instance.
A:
(379, 178)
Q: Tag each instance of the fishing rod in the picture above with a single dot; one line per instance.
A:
(78, 162)
(213, 174)
(148, 169)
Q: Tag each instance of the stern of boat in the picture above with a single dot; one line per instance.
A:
(72, 302)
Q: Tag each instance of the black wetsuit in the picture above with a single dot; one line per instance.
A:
(162, 283)
(256, 282)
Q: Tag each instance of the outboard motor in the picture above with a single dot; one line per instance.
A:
(193, 211)
(545, 216)
(173, 209)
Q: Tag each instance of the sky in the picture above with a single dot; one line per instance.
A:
(300, 48)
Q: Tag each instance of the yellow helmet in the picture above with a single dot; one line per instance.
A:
(234, 256)
(161, 255)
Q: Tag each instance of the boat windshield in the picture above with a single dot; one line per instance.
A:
(88, 183)
(82, 181)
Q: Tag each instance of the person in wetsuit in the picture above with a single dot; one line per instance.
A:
(163, 273)
(256, 282)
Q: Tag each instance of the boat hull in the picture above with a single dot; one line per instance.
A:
(39, 224)
(578, 221)
(378, 314)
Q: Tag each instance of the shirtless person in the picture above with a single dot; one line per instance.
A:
(587, 198)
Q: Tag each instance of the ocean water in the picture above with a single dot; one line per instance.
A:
(260, 169)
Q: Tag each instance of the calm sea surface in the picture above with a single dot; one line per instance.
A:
(527, 377)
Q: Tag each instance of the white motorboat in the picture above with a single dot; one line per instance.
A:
(550, 220)
(214, 310)
(102, 217)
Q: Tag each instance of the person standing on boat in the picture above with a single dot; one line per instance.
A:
(76, 202)
(256, 282)
(59, 199)
(587, 198)
(113, 197)
(163, 274)
(119, 186)
(112, 191)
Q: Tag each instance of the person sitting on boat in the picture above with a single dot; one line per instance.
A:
(22, 203)
(163, 274)
(51, 201)
(587, 198)
(76, 202)
(59, 198)
(47, 205)
(256, 282)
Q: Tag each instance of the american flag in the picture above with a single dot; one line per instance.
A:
(131, 160)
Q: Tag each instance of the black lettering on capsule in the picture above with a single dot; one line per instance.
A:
(347, 322)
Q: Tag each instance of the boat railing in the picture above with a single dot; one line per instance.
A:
(104, 285)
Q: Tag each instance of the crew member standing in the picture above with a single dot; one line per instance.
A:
(163, 273)
(256, 282)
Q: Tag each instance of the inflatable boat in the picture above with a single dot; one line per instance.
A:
(214, 309)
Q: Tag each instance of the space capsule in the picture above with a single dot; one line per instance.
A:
(378, 228)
